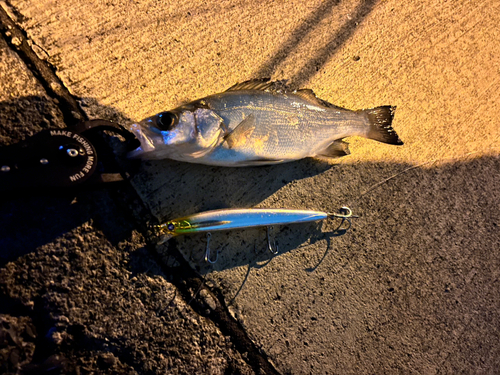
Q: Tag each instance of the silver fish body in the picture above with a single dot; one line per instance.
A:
(258, 122)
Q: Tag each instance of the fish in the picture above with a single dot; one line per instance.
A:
(258, 122)
(239, 218)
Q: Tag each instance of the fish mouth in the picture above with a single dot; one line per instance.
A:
(148, 140)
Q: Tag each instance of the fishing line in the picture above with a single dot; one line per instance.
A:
(394, 176)
(457, 158)
(373, 187)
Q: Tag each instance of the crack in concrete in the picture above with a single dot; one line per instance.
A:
(209, 303)
(17, 40)
(202, 299)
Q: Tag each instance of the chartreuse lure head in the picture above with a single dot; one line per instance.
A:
(172, 228)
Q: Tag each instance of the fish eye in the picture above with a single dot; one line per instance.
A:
(170, 227)
(166, 120)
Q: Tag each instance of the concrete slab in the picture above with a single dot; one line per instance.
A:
(414, 286)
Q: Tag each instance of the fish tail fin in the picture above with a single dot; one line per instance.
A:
(380, 122)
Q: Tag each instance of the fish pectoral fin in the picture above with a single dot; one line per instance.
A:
(241, 133)
(336, 149)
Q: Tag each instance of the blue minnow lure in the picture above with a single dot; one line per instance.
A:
(227, 219)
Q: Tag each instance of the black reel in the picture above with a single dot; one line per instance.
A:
(56, 158)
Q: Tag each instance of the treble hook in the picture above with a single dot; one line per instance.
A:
(273, 248)
(345, 214)
(207, 251)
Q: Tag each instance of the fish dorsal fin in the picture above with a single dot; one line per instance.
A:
(261, 84)
(240, 135)
(309, 95)
(281, 87)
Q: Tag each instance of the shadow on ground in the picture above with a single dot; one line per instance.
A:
(173, 189)
(426, 232)
(324, 53)
(435, 228)
(34, 217)
(452, 204)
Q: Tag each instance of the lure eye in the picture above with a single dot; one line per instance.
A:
(170, 227)
(166, 120)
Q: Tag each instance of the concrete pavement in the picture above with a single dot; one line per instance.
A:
(413, 287)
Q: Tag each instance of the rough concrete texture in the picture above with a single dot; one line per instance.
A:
(413, 286)
(95, 312)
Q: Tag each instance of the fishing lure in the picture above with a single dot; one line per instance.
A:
(227, 219)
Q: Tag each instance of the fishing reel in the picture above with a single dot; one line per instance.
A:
(60, 158)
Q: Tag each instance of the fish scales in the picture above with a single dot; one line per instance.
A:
(292, 128)
(254, 123)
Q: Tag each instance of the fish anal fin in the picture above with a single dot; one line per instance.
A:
(380, 119)
(336, 149)
(241, 133)
(261, 84)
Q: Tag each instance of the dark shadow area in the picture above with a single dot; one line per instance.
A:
(325, 52)
(462, 196)
(424, 253)
(173, 189)
(34, 217)
(25, 116)
(31, 221)
(427, 227)
(264, 257)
